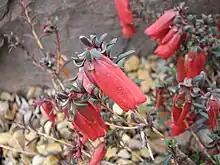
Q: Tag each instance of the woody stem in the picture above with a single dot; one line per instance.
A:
(121, 127)
(201, 146)
(19, 151)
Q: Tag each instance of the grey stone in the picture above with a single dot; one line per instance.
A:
(77, 17)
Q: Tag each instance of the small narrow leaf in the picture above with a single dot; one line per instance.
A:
(123, 55)
(95, 53)
(112, 42)
(205, 115)
(80, 105)
(138, 81)
(101, 39)
(168, 159)
(85, 41)
(121, 63)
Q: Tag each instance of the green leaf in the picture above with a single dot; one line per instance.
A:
(112, 42)
(217, 159)
(79, 84)
(168, 159)
(138, 81)
(84, 98)
(172, 89)
(213, 30)
(101, 39)
(80, 105)
(121, 63)
(94, 101)
(75, 89)
(111, 103)
(108, 49)
(188, 28)
(189, 44)
(95, 53)
(191, 19)
(123, 55)
(85, 41)
(203, 114)
(196, 90)
(105, 99)
(199, 105)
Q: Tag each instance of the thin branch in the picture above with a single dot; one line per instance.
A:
(200, 144)
(19, 151)
(122, 127)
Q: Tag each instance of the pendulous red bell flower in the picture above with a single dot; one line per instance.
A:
(87, 85)
(125, 17)
(213, 110)
(113, 82)
(88, 121)
(162, 25)
(179, 114)
(181, 68)
(99, 154)
(47, 106)
(128, 30)
(170, 47)
(195, 63)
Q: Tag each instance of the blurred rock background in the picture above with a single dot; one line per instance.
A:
(77, 17)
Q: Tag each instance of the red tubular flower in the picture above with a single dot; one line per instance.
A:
(86, 83)
(169, 35)
(195, 63)
(176, 130)
(114, 83)
(162, 25)
(89, 122)
(179, 114)
(48, 109)
(167, 50)
(181, 69)
(99, 154)
(159, 97)
(128, 30)
(213, 109)
(125, 17)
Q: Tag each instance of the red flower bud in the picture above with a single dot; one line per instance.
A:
(176, 130)
(114, 83)
(128, 30)
(159, 97)
(99, 154)
(87, 85)
(179, 114)
(181, 69)
(195, 63)
(169, 35)
(213, 109)
(161, 25)
(89, 122)
(167, 50)
(48, 109)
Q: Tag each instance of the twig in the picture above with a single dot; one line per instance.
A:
(54, 139)
(61, 142)
(200, 144)
(122, 127)
(189, 161)
(19, 151)
(40, 45)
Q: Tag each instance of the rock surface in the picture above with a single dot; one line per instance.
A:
(76, 18)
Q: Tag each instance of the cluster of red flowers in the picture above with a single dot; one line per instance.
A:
(169, 36)
(112, 81)
(191, 66)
